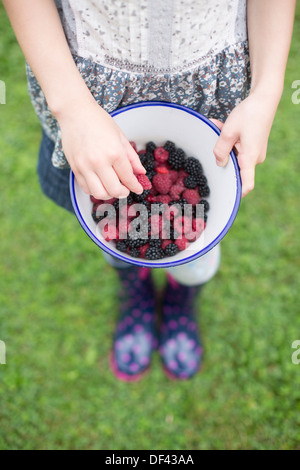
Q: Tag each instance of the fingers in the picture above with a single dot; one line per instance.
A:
(93, 186)
(224, 146)
(124, 171)
(134, 159)
(218, 123)
(112, 183)
(248, 177)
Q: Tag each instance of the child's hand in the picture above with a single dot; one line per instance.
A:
(99, 154)
(247, 129)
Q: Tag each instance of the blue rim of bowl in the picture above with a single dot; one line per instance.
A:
(159, 263)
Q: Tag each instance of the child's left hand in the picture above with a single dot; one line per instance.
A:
(247, 128)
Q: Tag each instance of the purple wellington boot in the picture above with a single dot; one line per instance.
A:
(180, 346)
(135, 337)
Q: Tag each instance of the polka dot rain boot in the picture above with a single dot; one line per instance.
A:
(136, 336)
(179, 346)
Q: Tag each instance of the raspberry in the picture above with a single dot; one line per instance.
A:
(172, 184)
(198, 225)
(156, 224)
(182, 174)
(162, 183)
(151, 198)
(173, 175)
(174, 209)
(163, 170)
(144, 181)
(111, 200)
(175, 191)
(123, 228)
(143, 250)
(133, 145)
(171, 249)
(183, 225)
(182, 243)
(110, 232)
(161, 155)
(93, 200)
(192, 196)
(165, 243)
(164, 198)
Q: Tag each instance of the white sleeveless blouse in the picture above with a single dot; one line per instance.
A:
(152, 36)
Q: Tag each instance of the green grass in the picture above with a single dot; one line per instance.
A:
(58, 310)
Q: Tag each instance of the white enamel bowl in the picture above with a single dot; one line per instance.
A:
(197, 136)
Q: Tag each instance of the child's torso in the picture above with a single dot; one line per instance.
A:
(152, 35)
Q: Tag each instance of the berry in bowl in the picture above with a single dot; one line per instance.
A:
(188, 203)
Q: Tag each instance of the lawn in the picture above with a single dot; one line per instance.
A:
(58, 309)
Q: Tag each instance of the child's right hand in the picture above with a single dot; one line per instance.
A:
(98, 152)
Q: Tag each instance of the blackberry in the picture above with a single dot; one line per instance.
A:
(135, 252)
(150, 174)
(158, 207)
(116, 204)
(122, 246)
(149, 165)
(190, 182)
(204, 191)
(169, 146)
(206, 204)
(130, 198)
(182, 202)
(155, 242)
(176, 158)
(202, 180)
(136, 242)
(193, 167)
(141, 197)
(97, 218)
(146, 203)
(173, 234)
(147, 160)
(171, 249)
(150, 147)
(154, 252)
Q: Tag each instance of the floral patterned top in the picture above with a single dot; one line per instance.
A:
(190, 52)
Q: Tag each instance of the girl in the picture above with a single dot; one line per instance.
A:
(86, 58)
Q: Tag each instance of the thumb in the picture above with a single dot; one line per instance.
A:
(218, 123)
(225, 143)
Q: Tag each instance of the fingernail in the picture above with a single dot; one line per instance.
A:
(221, 163)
